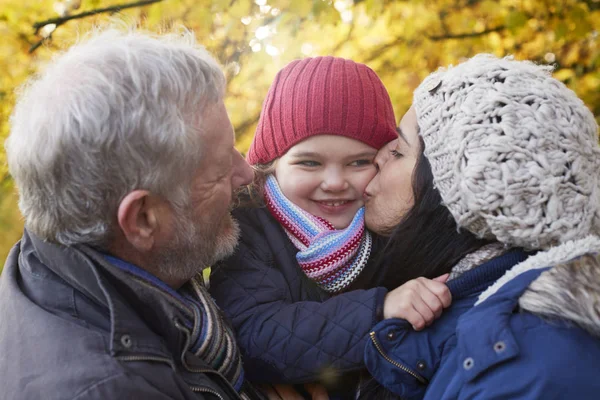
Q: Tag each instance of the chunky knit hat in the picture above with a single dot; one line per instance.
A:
(514, 153)
(322, 95)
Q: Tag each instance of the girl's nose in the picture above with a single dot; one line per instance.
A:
(334, 181)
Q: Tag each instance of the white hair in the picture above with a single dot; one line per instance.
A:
(118, 112)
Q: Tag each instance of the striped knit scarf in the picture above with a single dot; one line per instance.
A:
(210, 336)
(212, 339)
(330, 257)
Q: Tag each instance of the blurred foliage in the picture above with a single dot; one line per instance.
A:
(401, 40)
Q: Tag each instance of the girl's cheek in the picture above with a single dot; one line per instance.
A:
(365, 179)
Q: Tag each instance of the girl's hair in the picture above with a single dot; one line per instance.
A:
(252, 195)
(427, 242)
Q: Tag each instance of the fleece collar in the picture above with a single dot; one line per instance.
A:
(569, 290)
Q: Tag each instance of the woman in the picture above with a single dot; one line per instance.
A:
(503, 163)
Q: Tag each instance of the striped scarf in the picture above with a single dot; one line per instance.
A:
(332, 258)
(212, 339)
(210, 336)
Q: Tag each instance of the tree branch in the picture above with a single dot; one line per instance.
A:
(377, 52)
(61, 20)
(467, 35)
(338, 46)
(40, 42)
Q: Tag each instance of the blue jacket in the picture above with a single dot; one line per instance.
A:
(518, 342)
(289, 330)
(74, 326)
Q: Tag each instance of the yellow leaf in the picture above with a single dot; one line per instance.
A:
(564, 74)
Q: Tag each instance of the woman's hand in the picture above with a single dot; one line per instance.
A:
(419, 301)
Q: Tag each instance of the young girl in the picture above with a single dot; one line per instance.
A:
(291, 289)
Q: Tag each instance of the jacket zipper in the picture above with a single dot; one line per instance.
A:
(394, 363)
(147, 358)
(202, 389)
(206, 390)
(209, 371)
(168, 361)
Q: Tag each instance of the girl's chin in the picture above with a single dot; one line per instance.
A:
(339, 222)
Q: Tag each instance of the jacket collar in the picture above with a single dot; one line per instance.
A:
(138, 309)
(481, 277)
(569, 290)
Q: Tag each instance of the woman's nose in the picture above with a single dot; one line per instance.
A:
(379, 159)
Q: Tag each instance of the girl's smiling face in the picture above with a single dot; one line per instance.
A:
(326, 176)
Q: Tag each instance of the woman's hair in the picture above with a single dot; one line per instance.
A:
(427, 241)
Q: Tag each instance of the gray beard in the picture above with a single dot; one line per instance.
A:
(195, 247)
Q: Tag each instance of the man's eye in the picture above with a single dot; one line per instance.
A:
(360, 163)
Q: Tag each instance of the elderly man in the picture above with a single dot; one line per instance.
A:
(123, 155)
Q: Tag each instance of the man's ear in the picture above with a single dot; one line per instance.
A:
(137, 218)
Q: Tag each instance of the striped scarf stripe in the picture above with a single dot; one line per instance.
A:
(330, 257)
(212, 338)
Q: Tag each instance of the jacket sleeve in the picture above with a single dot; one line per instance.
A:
(291, 342)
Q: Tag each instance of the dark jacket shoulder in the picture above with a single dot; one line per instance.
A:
(72, 335)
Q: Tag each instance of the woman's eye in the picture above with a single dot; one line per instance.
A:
(396, 154)
(360, 163)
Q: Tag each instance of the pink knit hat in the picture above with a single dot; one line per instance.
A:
(322, 95)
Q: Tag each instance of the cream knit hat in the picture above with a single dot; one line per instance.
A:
(514, 153)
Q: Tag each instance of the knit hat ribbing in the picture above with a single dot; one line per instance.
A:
(322, 95)
(514, 152)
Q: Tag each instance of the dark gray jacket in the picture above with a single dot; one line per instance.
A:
(72, 326)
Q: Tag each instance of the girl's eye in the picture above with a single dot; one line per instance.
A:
(396, 154)
(308, 163)
(360, 163)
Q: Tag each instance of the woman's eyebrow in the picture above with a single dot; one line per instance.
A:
(402, 135)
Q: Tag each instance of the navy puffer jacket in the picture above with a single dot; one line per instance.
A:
(533, 334)
(289, 329)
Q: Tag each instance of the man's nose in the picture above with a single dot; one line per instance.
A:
(243, 173)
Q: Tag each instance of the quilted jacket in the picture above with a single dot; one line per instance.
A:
(289, 330)
(534, 334)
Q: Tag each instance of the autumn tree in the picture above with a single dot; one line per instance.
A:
(401, 40)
